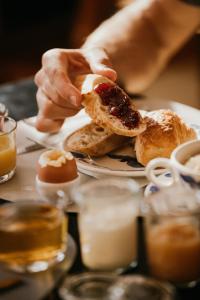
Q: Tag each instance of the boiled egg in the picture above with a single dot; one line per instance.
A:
(56, 166)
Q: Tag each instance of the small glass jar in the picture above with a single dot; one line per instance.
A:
(139, 287)
(7, 148)
(172, 222)
(33, 236)
(93, 286)
(107, 223)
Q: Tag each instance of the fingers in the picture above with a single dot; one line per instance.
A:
(99, 62)
(55, 68)
(47, 125)
(49, 90)
(50, 110)
(51, 116)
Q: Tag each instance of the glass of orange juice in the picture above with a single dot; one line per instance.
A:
(7, 148)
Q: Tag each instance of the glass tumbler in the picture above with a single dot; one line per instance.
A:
(7, 148)
(107, 223)
(33, 236)
(3, 110)
(85, 286)
(137, 287)
(172, 221)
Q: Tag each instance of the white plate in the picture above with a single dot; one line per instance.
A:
(123, 162)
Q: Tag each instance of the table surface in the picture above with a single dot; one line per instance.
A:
(20, 100)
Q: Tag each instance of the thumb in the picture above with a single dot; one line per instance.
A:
(99, 63)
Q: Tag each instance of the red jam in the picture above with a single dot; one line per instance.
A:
(119, 104)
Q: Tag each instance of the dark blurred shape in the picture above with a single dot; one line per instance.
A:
(28, 29)
(19, 98)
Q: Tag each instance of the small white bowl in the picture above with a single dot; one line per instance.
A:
(49, 191)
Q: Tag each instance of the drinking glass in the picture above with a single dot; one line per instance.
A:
(33, 236)
(107, 223)
(172, 221)
(105, 286)
(93, 286)
(7, 148)
(3, 110)
(137, 287)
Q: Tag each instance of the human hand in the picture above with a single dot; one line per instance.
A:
(57, 97)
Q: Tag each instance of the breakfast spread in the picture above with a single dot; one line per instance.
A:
(194, 163)
(115, 120)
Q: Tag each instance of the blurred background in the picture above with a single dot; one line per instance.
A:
(29, 28)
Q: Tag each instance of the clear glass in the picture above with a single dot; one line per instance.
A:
(107, 223)
(173, 235)
(7, 148)
(93, 286)
(139, 287)
(3, 110)
(33, 236)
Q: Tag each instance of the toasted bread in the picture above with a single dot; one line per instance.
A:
(94, 140)
(99, 112)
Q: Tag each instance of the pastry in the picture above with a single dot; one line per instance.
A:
(109, 106)
(165, 131)
(94, 140)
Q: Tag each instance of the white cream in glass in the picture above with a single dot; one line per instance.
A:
(107, 223)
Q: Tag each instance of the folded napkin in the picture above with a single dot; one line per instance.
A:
(53, 140)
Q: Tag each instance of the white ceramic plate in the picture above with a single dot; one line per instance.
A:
(123, 161)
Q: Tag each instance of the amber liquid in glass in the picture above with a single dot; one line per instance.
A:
(34, 234)
(174, 252)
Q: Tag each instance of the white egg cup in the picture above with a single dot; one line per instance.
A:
(50, 191)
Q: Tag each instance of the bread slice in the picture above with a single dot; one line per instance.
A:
(100, 113)
(165, 131)
(94, 140)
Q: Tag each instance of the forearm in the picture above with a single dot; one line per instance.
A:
(142, 37)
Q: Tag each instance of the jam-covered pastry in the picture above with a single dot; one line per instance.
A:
(119, 104)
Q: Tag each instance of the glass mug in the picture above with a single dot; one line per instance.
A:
(104, 286)
(172, 231)
(85, 286)
(7, 148)
(33, 236)
(107, 223)
(136, 287)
